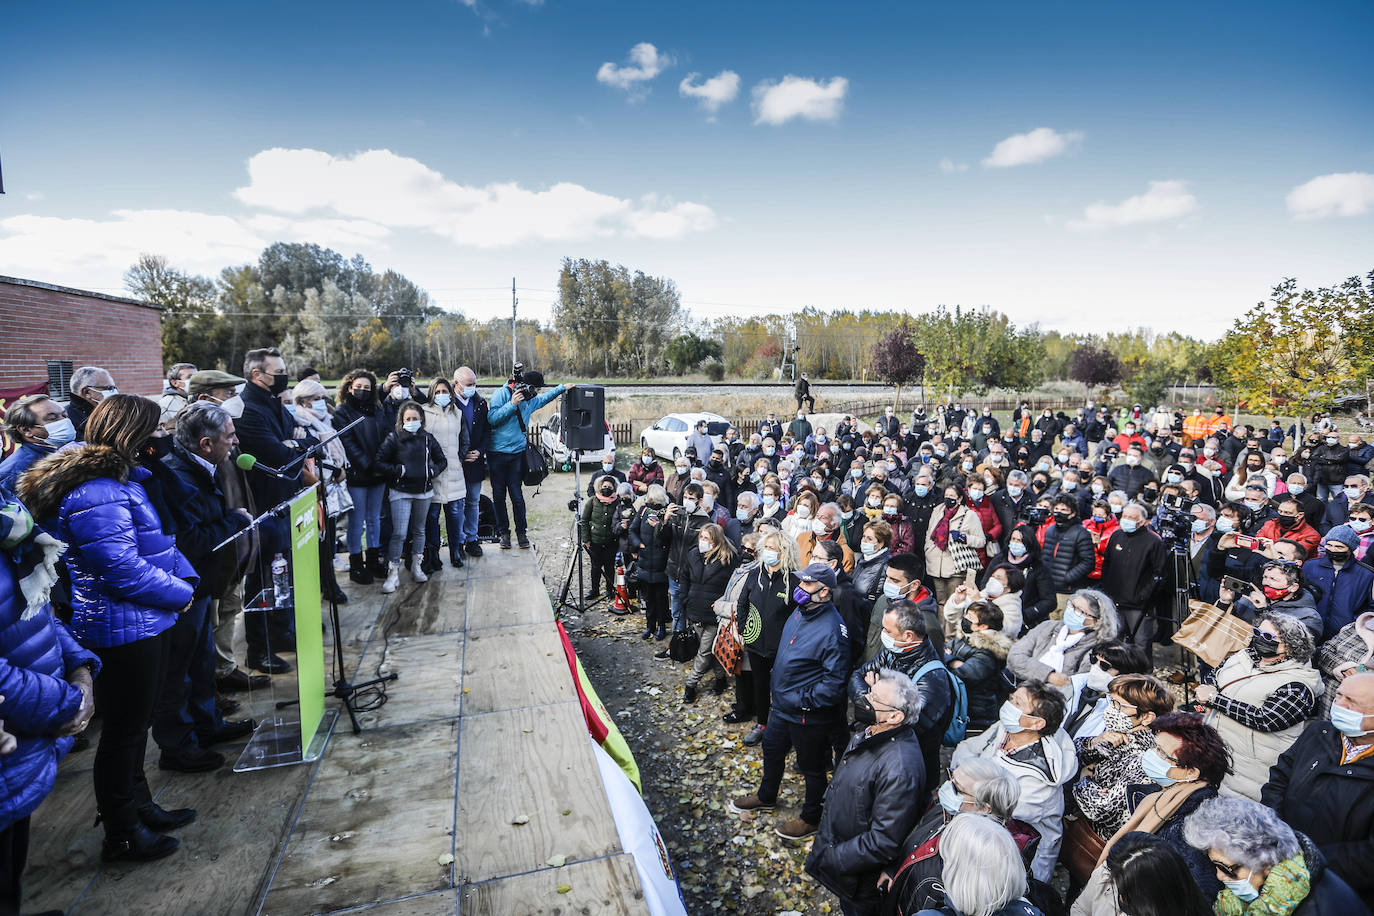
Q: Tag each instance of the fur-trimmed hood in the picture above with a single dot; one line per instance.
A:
(994, 641)
(46, 484)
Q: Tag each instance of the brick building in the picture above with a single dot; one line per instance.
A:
(47, 331)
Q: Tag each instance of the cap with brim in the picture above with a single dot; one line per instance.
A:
(818, 572)
(209, 379)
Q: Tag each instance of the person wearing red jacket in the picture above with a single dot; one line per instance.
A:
(644, 473)
(1101, 525)
(1291, 525)
(987, 514)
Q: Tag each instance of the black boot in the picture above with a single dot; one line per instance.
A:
(376, 566)
(455, 557)
(160, 820)
(138, 844)
(357, 570)
(431, 562)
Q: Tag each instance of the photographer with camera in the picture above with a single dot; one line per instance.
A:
(1131, 568)
(508, 415)
(398, 388)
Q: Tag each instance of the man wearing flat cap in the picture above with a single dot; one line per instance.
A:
(808, 692)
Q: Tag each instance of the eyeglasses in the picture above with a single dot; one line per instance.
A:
(1230, 871)
(1127, 708)
(1266, 636)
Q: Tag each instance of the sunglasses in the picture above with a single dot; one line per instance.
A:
(1266, 636)
(1230, 871)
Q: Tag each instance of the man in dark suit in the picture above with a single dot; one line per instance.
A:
(474, 408)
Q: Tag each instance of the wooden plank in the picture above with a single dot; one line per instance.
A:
(535, 763)
(607, 887)
(506, 667)
(503, 601)
(444, 903)
(430, 683)
(64, 849)
(496, 563)
(438, 606)
(376, 823)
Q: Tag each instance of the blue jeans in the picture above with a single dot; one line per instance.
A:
(675, 605)
(185, 707)
(367, 510)
(472, 510)
(506, 469)
(408, 514)
(453, 523)
(1329, 491)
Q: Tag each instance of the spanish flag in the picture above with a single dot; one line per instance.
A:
(599, 723)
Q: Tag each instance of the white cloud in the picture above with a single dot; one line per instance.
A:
(949, 166)
(382, 188)
(1163, 200)
(1338, 194)
(645, 64)
(719, 90)
(798, 97)
(1028, 148)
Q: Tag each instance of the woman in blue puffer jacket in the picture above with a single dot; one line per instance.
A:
(129, 582)
(45, 691)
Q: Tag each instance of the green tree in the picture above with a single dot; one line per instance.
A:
(192, 328)
(687, 351)
(975, 350)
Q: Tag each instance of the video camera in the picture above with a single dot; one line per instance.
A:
(1175, 519)
(527, 382)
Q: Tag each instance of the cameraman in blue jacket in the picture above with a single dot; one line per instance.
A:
(508, 415)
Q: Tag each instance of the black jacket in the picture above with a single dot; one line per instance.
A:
(935, 688)
(410, 461)
(874, 799)
(651, 554)
(1329, 894)
(1331, 802)
(1131, 479)
(1068, 552)
(1009, 511)
(79, 410)
(210, 520)
(679, 534)
(363, 442)
(263, 430)
(703, 582)
(982, 656)
(480, 440)
(1330, 463)
(1131, 567)
(762, 608)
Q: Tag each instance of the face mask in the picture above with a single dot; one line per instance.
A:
(868, 548)
(801, 596)
(856, 473)
(278, 384)
(1116, 508)
(1069, 485)
(1286, 521)
(1132, 460)
(803, 511)
(921, 490)
(1243, 889)
(891, 591)
(443, 399)
(1016, 549)
(994, 588)
(1043, 466)
(1199, 526)
(1332, 440)
(1348, 722)
(1073, 619)
(1129, 525)
(1296, 489)
(1174, 477)
(157, 448)
(608, 468)
(769, 557)
(704, 546)
(817, 527)
(1014, 491)
(1186, 465)
(1352, 493)
(769, 450)
(320, 406)
(769, 499)
(1063, 518)
(820, 484)
(1156, 767)
(708, 502)
(950, 800)
(412, 426)
(690, 505)
(469, 392)
(681, 468)
(1224, 524)
(1360, 525)
(1263, 647)
(400, 393)
(60, 432)
(1010, 717)
(1097, 678)
(647, 461)
(967, 465)
(1115, 720)
(291, 409)
(235, 406)
(975, 495)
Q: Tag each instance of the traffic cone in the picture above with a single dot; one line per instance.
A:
(621, 602)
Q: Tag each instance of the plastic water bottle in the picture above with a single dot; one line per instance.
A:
(281, 582)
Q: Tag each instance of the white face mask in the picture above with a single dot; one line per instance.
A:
(60, 432)
(1097, 678)
(399, 393)
(234, 405)
(321, 406)
(690, 505)
(708, 501)
(803, 511)
(704, 546)
(817, 527)
(994, 588)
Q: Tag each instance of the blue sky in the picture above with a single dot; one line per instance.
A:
(1159, 165)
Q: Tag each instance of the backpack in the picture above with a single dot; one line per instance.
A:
(958, 723)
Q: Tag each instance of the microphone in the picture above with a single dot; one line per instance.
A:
(249, 463)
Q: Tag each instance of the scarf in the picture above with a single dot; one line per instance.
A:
(1148, 818)
(1063, 641)
(941, 535)
(1284, 891)
(33, 553)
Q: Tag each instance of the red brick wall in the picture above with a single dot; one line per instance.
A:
(40, 323)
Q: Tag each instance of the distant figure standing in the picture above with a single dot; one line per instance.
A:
(802, 391)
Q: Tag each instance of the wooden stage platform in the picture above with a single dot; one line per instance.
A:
(414, 816)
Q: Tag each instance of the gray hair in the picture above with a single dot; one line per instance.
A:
(307, 388)
(1244, 831)
(201, 420)
(656, 495)
(1108, 623)
(174, 373)
(905, 697)
(1361, 479)
(1209, 512)
(1138, 507)
(748, 495)
(983, 870)
(21, 416)
(1121, 495)
(909, 616)
(833, 508)
(82, 377)
(1290, 573)
(257, 359)
(991, 786)
(1017, 476)
(1296, 637)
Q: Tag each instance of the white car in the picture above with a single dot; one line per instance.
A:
(560, 456)
(668, 437)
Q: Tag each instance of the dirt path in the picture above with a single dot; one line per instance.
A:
(691, 761)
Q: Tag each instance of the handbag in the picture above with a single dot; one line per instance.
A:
(684, 645)
(1212, 634)
(1082, 845)
(728, 648)
(337, 499)
(534, 467)
(965, 557)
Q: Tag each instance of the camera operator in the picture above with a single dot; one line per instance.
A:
(1131, 569)
(510, 410)
(398, 388)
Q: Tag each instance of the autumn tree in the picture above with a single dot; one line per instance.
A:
(1095, 367)
(896, 360)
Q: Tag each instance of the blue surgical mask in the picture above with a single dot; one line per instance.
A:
(1225, 525)
(950, 800)
(469, 392)
(921, 490)
(320, 406)
(443, 399)
(1199, 525)
(1296, 489)
(1016, 549)
(742, 514)
(60, 432)
(1156, 767)
(1010, 717)
(1014, 491)
(1073, 619)
(1243, 889)
(892, 591)
(769, 557)
(412, 426)
(1129, 524)
(1348, 722)
(291, 409)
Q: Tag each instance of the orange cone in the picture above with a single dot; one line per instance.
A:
(621, 603)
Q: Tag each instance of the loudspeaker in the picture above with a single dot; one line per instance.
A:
(583, 416)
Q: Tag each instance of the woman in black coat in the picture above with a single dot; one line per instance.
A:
(1039, 597)
(651, 563)
(710, 561)
(977, 656)
(357, 399)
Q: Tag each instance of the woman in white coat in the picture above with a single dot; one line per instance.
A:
(953, 537)
(445, 422)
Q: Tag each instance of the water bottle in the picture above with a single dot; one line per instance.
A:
(281, 582)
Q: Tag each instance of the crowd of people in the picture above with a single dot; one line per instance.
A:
(949, 624)
(138, 533)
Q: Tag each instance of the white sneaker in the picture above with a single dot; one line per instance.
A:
(393, 577)
(417, 570)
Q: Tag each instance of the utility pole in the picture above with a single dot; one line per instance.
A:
(513, 303)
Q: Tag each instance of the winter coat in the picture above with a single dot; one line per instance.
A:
(1330, 461)
(1068, 552)
(1351, 647)
(903, 534)
(940, 563)
(364, 441)
(211, 521)
(506, 418)
(36, 654)
(479, 438)
(1009, 603)
(19, 461)
(1304, 607)
(642, 476)
(873, 801)
(992, 527)
(1132, 566)
(450, 430)
(128, 580)
(810, 667)
(679, 534)
(982, 656)
(651, 554)
(762, 609)
(1009, 511)
(597, 522)
(703, 582)
(807, 540)
(1024, 657)
(1131, 479)
(1041, 776)
(1345, 593)
(411, 461)
(1103, 534)
(936, 688)
(869, 575)
(1330, 801)
(263, 428)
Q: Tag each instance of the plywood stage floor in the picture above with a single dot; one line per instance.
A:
(414, 816)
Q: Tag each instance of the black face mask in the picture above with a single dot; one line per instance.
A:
(1338, 556)
(1063, 518)
(966, 625)
(278, 383)
(1263, 647)
(951, 502)
(1288, 522)
(360, 397)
